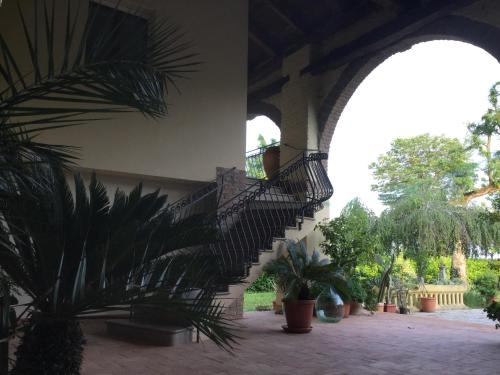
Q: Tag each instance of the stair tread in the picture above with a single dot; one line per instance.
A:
(165, 328)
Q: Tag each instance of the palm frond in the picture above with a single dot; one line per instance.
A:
(76, 254)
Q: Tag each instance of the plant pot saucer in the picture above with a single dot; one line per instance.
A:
(296, 330)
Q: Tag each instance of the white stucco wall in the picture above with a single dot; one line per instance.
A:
(206, 124)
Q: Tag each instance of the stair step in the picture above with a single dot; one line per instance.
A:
(156, 334)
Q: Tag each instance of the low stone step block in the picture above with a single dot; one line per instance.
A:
(154, 334)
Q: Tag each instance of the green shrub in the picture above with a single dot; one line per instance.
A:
(474, 299)
(478, 267)
(264, 283)
(493, 313)
(487, 284)
(433, 266)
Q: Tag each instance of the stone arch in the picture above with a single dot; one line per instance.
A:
(264, 109)
(455, 28)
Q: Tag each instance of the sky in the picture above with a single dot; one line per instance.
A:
(435, 87)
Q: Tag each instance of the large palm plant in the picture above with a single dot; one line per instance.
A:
(79, 255)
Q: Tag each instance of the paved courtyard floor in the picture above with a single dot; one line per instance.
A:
(470, 315)
(378, 344)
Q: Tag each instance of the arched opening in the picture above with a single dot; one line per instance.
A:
(262, 133)
(435, 87)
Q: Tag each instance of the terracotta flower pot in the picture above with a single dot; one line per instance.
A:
(390, 307)
(428, 304)
(380, 307)
(298, 315)
(355, 306)
(271, 161)
(347, 309)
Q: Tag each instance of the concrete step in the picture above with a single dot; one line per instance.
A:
(154, 334)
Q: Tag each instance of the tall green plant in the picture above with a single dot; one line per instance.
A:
(349, 238)
(425, 223)
(82, 254)
(297, 273)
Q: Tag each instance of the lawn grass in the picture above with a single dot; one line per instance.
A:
(252, 300)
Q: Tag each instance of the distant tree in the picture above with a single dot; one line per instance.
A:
(445, 164)
(262, 141)
(436, 161)
(442, 162)
(425, 223)
(481, 137)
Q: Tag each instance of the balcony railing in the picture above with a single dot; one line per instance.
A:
(254, 161)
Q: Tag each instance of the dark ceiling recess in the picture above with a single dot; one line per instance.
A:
(278, 28)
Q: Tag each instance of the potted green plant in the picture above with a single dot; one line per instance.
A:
(297, 273)
(358, 294)
(385, 287)
(402, 287)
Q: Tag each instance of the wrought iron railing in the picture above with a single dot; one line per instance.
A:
(254, 166)
(248, 223)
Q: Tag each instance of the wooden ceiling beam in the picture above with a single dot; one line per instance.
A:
(261, 43)
(385, 35)
(286, 18)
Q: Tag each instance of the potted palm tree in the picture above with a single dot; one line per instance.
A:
(297, 273)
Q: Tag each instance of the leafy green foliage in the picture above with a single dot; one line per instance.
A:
(425, 223)
(264, 283)
(435, 161)
(487, 284)
(349, 238)
(481, 135)
(356, 289)
(254, 300)
(493, 313)
(52, 346)
(474, 299)
(297, 273)
(82, 254)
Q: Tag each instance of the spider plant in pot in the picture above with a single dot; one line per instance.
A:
(297, 273)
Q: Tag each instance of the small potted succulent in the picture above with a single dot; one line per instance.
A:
(297, 273)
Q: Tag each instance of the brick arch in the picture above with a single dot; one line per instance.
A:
(264, 109)
(450, 28)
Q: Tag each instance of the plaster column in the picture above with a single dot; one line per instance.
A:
(299, 106)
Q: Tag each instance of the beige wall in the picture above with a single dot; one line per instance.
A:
(205, 127)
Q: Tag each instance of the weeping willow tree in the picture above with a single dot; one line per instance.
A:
(425, 223)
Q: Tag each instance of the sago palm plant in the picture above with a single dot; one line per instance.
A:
(80, 254)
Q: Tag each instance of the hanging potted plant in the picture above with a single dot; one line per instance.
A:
(297, 273)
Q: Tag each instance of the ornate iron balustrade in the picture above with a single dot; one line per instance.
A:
(254, 166)
(248, 223)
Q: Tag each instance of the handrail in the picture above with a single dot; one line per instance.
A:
(254, 166)
(248, 223)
